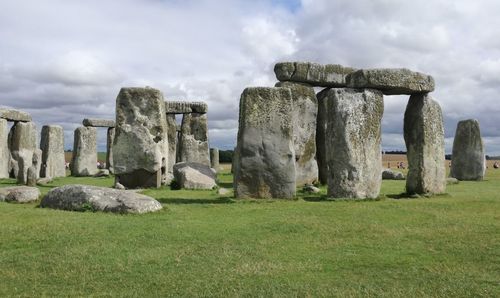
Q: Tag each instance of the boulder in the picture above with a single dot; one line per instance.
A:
(98, 122)
(23, 146)
(84, 161)
(388, 174)
(19, 194)
(140, 148)
(391, 81)
(424, 138)
(4, 149)
(214, 159)
(309, 188)
(109, 148)
(52, 146)
(193, 140)
(14, 115)
(184, 107)
(31, 176)
(102, 173)
(265, 157)
(191, 175)
(451, 180)
(468, 157)
(44, 181)
(86, 197)
(353, 140)
(318, 75)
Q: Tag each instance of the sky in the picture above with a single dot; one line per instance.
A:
(65, 60)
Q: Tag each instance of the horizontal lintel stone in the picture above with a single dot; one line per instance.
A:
(14, 115)
(98, 122)
(314, 74)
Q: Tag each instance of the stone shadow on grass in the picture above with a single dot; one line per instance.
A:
(182, 201)
(325, 198)
(404, 195)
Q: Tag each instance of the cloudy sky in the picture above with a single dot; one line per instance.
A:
(65, 60)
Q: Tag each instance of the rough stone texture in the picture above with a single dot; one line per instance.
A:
(329, 75)
(468, 157)
(110, 136)
(14, 115)
(52, 146)
(193, 141)
(183, 107)
(451, 180)
(84, 161)
(391, 81)
(353, 140)
(190, 175)
(424, 138)
(13, 167)
(265, 165)
(102, 173)
(85, 197)
(98, 122)
(389, 174)
(31, 176)
(19, 194)
(23, 146)
(172, 142)
(4, 149)
(305, 111)
(309, 188)
(321, 148)
(214, 158)
(140, 148)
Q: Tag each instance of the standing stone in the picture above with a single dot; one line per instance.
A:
(172, 142)
(193, 145)
(22, 145)
(84, 161)
(305, 110)
(321, 147)
(468, 157)
(109, 148)
(214, 159)
(4, 149)
(140, 148)
(424, 138)
(265, 165)
(353, 140)
(52, 145)
(31, 176)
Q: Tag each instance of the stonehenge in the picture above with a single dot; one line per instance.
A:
(14, 115)
(110, 135)
(23, 149)
(468, 156)
(84, 160)
(4, 149)
(52, 146)
(214, 158)
(193, 139)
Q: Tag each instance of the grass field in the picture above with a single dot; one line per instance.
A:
(203, 244)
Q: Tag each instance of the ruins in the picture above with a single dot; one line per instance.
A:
(468, 157)
(52, 146)
(214, 159)
(84, 160)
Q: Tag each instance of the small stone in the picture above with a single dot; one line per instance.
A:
(102, 173)
(118, 185)
(98, 122)
(311, 188)
(44, 181)
(452, 180)
(190, 175)
(15, 115)
(388, 174)
(19, 194)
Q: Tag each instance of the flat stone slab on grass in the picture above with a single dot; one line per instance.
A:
(191, 175)
(15, 115)
(317, 75)
(19, 194)
(391, 81)
(85, 197)
(98, 122)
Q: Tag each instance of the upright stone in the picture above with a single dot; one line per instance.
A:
(305, 110)
(109, 149)
(321, 147)
(4, 149)
(84, 161)
(52, 146)
(468, 156)
(265, 165)
(22, 145)
(172, 142)
(193, 140)
(353, 140)
(214, 158)
(140, 148)
(424, 138)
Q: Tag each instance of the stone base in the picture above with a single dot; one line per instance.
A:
(140, 179)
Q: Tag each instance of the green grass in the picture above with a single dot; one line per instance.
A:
(203, 244)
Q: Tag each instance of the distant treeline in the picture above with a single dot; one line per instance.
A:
(226, 156)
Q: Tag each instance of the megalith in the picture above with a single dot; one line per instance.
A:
(214, 158)
(84, 160)
(140, 148)
(314, 74)
(424, 138)
(172, 142)
(468, 156)
(193, 141)
(23, 145)
(353, 140)
(305, 111)
(321, 144)
(53, 163)
(265, 165)
(4, 149)
(14, 115)
(110, 136)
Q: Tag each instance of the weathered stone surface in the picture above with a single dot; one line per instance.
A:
(353, 141)
(424, 138)
(110, 136)
(451, 180)
(52, 145)
(190, 175)
(214, 158)
(318, 75)
(389, 174)
(172, 142)
(92, 122)
(193, 140)
(265, 165)
(84, 161)
(309, 188)
(19, 194)
(102, 173)
(44, 181)
(22, 145)
(4, 149)
(86, 197)
(140, 148)
(391, 81)
(31, 176)
(305, 111)
(184, 107)
(468, 160)
(14, 115)
(321, 147)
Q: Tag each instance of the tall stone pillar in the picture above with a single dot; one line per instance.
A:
(4, 149)
(53, 163)
(84, 161)
(214, 159)
(172, 142)
(321, 148)
(110, 136)
(193, 142)
(424, 138)
(468, 157)
(23, 145)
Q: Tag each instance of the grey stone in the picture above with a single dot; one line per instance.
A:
(318, 75)
(31, 176)
(468, 157)
(184, 107)
(451, 180)
(353, 140)
(190, 175)
(110, 136)
(44, 181)
(140, 148)
(265, 157)
(305, 110)
(53, 163)
(14, 115)
(391, 81)
(23, 146)
(223, 191)
(13, 168)
(84, 161)
(424, 138)
(19, 194)
(321, 147)
(4, 149)
(86, 197)
(193, 141)
(118, 185)
(389, 174)
(102, 173)
(172, 142)
(311, 188)
(98, 122)
(214, 159)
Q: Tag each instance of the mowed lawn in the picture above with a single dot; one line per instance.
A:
(203, 244)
